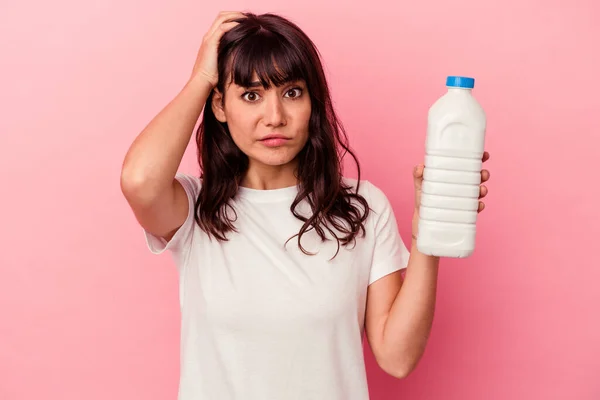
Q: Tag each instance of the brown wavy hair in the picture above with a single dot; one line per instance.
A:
(279, 52)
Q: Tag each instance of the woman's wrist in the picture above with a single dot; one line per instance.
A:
(415, 224)
(415, 235)
(200, 83)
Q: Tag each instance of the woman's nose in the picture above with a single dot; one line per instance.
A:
(274, 112)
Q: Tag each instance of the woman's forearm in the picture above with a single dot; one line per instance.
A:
(409, 323)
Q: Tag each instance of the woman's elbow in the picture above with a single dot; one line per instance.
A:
(398, 370)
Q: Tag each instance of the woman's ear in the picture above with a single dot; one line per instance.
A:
(217, 106)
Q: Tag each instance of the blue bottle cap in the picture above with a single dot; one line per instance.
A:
(460, 81)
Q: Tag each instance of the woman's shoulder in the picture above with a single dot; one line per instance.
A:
(366, 188)
(191, 183)
(374, 196)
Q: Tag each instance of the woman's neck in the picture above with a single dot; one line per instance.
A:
(267, 177)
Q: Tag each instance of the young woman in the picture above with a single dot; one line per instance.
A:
(283, 262)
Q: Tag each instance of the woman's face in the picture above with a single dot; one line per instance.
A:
(269, 126)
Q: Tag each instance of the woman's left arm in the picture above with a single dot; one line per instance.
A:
(400, 314)
(400, 311)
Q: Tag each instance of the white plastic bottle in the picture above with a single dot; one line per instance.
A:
(453, 161)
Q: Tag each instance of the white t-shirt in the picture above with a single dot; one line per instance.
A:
(263, 321)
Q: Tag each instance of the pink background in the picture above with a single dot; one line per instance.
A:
(86, 312)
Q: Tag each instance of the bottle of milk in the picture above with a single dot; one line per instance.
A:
(453, 161)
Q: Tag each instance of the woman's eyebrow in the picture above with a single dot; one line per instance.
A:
(256, 84)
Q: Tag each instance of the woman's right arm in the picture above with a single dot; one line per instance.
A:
(148, 182)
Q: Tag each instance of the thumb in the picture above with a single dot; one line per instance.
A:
(418, 172)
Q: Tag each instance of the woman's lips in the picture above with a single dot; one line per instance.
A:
(274, 140)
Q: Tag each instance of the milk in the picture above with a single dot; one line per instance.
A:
(454, 148)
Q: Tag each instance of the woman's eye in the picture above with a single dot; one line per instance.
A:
(295, 92)
(253, 96)
(250, 96)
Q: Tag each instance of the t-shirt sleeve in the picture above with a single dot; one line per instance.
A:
(390, 254)
(183, 236)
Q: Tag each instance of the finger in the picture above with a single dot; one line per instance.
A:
(481, 206)
(483, 191)
(485, 175)
(486, 156)
(225, 27)
(234, 16)
(418, 171)
(223, 17)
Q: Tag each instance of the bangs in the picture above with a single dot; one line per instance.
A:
(271, 57)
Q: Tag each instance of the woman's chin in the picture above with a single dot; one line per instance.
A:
(274, 157)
